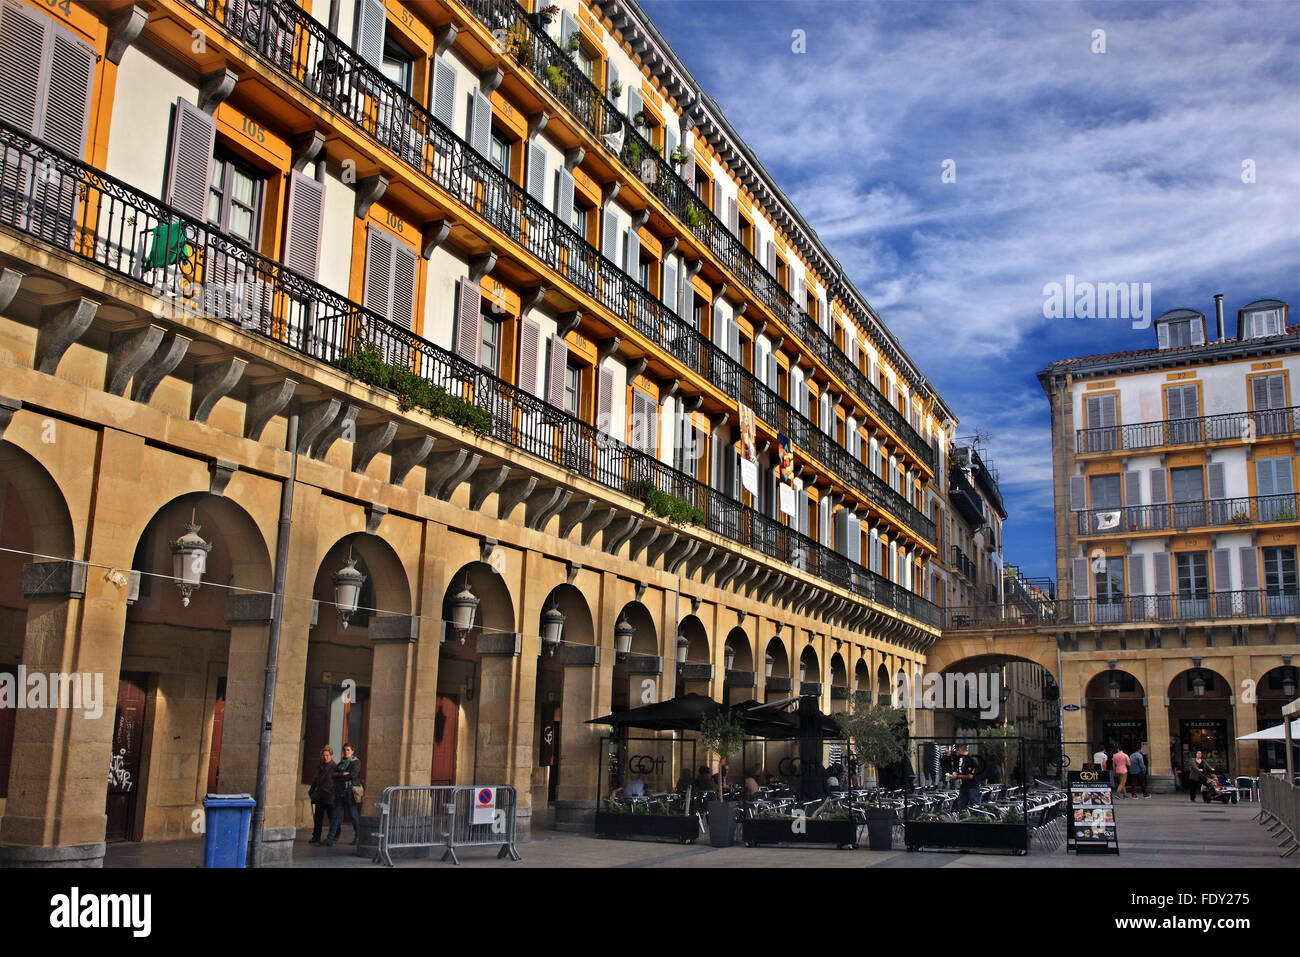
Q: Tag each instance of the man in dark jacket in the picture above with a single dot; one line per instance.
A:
(321, 793)
(965, 774)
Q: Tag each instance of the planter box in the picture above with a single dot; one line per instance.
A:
(758, 831)
(664, 827)
(967, 835)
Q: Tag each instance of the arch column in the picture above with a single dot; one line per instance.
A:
(392, 667)
(249, 618)
(1245, 719)
(1161, 772)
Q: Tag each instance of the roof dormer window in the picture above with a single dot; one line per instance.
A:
(1180, 328)
(1263, 322)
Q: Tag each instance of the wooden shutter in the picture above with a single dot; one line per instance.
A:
(1133, 488)
(1137, 575)
(772, 378)
(1198, 332)
(771, 257)
(670, 140)
(733, 340)
(801, 294)
(611, 77)
(1269, 391)
(609, 235)
(1222, 569)
(537, 172)
(564, 196)
(1265, 477)
(568, 26)
(303, 223)
(605, 400)
(719, 207)
(1249, 567)
(67, 97)
(480, 123)
(404, 270)
(371, 21)
(633, 254)
(22, 54)
(1160, 569)
(1259, 391)
(469, 320)
(670, 283)
(556, 366)
(444, 93)
(842, 531)
(855, 539)
(1159, 487)
(189, 170)
(733, 217)
(1215, 472)
(530, 338)
(635, 104)
(377, 285)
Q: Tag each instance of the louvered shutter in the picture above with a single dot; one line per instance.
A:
(564, 196)
(649, 420)
(609, 236)
(1132, 488)
(67, 99)
(530, 339)
(557, 365)
(670, 283)
(772, 377)
(371, 21)
(303, 222)
(1222, 570)
(634, 103)
(444, 93)
(404, 270)
(469, 320)
(771, 257)
(841, 521)
(1137, 575)
(719, 207)
(1259, 390)
(1082, 572)
(611, 77)
(1159, 487)
(1198, 332)
(568, 26)
(605, 400)
(194, 135)
(480, 123)
(855, 539)
(1162, 335)
(1249, 567)
(633, 254)
(1215, 473)
(733, 340)
(1277, 391)
(377, 285)
(733, 217)
(537, 172)
(670, 140)
(22, 52)
(1160, 569)
(801, 294)
(1078, 493)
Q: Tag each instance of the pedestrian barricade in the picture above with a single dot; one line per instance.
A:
(448, 817)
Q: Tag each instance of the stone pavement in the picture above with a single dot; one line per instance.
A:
(1165, 831)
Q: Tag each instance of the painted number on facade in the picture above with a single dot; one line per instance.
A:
(254, 130)
(64, 6)
(393, 221)
(407, 19)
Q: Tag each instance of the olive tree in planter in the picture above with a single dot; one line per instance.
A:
(1000, 749)
(878, 733)
(722, 733)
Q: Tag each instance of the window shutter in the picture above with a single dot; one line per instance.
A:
(1137, 575)
(1082, 572)
(1198, 332)
(609, 236)
(556, 367)
(22, 51)
(568, 26)
(733, 217)
(771, 257)
(771, 371)
(537, 172)
(842, 531)
(1162, 335)
(404, 267)
(377, 285)
(1222, 571)
(1078, 493)
(605, 400)
(1159, 487)
(303, 223)
(611, 77)
(688, 170)
(1277, 391)
(67, 100)
(1216, 479)
(469, 320)
(670, 283)
(633, 256)
(1265, 477)
(1133, 488)
(530, 337)
(480, 123)
(670, 141)
(1160, 567)
(1174, 402)
(855, 539)
(733, 340)
(634, 103)
(564, 196)
(1259, 391)
(801, 294)
(371, 20)
(444, 93)
(194, 135)
(1249, 567)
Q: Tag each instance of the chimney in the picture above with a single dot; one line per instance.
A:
(1218, 313)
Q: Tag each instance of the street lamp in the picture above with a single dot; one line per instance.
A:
(463, 607)
(768, 664)
(1288, 685)
(623, 633)
(552, 627)
(729, 656)
(1114, 689)
(1198, 686)
(347, 590)
(803, 673)
(189, 559)
(683, 648)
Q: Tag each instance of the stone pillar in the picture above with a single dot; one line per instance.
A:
(249, 618)
(1161, 773)
(391, 692)
(1244, 755)
(498, 694)
(580, 757)
(1074, 724)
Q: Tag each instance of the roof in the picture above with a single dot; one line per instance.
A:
(1189, 354)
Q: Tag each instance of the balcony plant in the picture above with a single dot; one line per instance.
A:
(571, 45)
(547, 14)
(557, 80)
(693, 216)
(878, 734)
(1241, 516)
(678, 156)
(615, 90)
(722, 733)
(676, 510)
(367, 364)
(1284, 513)
(633, 152)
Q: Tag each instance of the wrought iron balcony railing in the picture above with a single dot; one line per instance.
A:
(321, 64)
(1225, 427)
(536, 52)
(47, 196)
(1131, 609)
(1181, 516)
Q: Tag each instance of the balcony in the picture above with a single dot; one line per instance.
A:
(964, 566)
(1202, 430)
(51, 198)
(534, 51)
(964, 498)
(363, 97)
(1185, 516)
(1130, 610)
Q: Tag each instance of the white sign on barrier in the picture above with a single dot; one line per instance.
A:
(485, 805)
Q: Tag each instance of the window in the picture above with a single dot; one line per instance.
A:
(1176, 333)
(1182, 406)
(578, 219)
(235, 199)
(1275, 487)
(397, 65)
(500, 153)
(746, 234)
(1105, 491)
(1193, 575)
(1108, 587)
(585, 63)
(1263, 322)
(489, 356)
(1187, 493)
(643, 272)
(1268, 399)
(1280, 572)
(573, 389)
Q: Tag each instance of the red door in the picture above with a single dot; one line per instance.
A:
(124, 762)
(218, 719)
(445, 722)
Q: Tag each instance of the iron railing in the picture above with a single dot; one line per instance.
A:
(195, 271)
(532, 48)
(324, 66)
(1129, 609)
(1179, 516)
(1225, 427)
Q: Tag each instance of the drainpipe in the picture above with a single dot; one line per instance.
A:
(334, 17)
(273, 643)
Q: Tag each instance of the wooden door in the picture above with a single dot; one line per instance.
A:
(446, 720)
(218, 719)
(124, 762)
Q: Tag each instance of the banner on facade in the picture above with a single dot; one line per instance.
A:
(748, 451)
(785, 473)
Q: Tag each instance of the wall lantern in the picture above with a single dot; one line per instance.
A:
(1198, 686)
(768, 663)
(1288, 686)
(552, 627)
(463, 608)
(803, 672)
(729, 656)
(1114, 689)
(189, 560)
(347, 590)
(683, 649)
(623, 634)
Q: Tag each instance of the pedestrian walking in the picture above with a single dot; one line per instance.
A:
(965, 774)
(1120, 762)
(1197, 769)
(321, 793)
(1137, 772)
(347, 775)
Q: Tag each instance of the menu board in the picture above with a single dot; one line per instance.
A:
(1090, 806)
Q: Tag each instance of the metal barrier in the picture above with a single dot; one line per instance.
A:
(412, 817)
(496, 824)
(1280, 810)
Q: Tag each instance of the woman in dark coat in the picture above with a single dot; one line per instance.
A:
(321, 793)
(347, 773)
(1197, 771)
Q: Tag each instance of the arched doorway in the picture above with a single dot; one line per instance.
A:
(1276, 687)
(696, 673)
(810, 672)
(1116, 704)
(839, 684)
(776, 665)
(1200, 718)
(740, 681)
(577, 629)
(883, 693)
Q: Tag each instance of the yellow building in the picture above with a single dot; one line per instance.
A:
(464, 299)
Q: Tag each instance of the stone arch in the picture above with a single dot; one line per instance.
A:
(809, 665)
(882, 683)
(579, 628)
(645, 636)
(495, 613)
(862, 676)
(739, 640)
(692, 629)
(43, 503)
(780, 660)
(839, 672)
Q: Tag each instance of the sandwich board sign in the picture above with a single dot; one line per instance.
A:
(1090, 813)
(485, 805)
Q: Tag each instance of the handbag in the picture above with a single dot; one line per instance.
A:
(358, 792)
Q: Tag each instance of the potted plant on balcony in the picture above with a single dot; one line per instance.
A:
(571, 45)
(615, 89)
(1241, 516)
(877, 735)
(678, 156)
(693, 216)
(633, 152)
(722, 733)
(556, 79)
(546, 14)
(640, 119)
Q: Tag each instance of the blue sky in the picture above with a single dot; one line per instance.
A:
(1122, 166)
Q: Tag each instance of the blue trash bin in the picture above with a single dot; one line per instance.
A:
(225, 840)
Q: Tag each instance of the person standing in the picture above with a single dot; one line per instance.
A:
(321, 793)
(1120, 762)
(347, 774)
(1137, 770)
(965, 773)
(1099, 758)
(1197, 769)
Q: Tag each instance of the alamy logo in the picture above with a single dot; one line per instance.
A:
(77, 910)
(979, 690)
(58, 689)
(1077, 299)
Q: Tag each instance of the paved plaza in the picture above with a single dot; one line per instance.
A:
(1164, 831)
